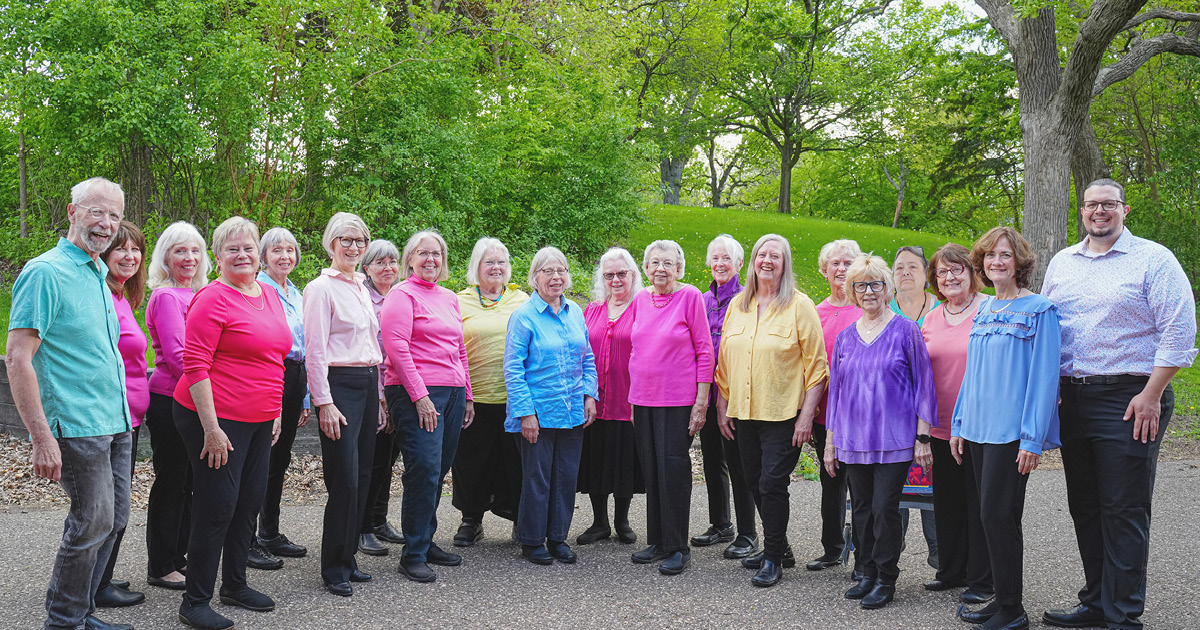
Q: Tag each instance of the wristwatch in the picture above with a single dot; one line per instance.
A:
(922, 438)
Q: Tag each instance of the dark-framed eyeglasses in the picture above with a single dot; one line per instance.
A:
(874, 286)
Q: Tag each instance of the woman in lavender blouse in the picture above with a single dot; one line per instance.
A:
(881, 403)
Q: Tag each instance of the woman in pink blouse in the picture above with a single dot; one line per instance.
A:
(609, 464)
(342, 356)
(178, 268)
(670, 372)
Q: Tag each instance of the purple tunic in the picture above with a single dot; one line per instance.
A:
(878, 391)
(716, 302)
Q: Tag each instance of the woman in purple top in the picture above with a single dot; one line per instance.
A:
(670, 373)
(127, 281)
(609, 464)
(881, 404)
(722, 460)
(178, 268)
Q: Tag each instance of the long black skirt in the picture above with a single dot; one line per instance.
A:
(609, 464)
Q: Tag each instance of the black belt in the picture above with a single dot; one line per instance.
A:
(287, 362)
(1105, 379)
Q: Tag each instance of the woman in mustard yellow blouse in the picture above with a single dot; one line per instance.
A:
(770, 375)
(487, 467)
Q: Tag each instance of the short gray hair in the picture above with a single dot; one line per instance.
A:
(732, 247)
(482, 247)
(666, 246)
(544, 257)
(273, 237)
(338, 223)
(410, 248)
(88, 188)
(600, 288)
(378, 250)
(176, 233)
(833, 248)
(231, 227)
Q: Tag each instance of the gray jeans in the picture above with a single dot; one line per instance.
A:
(95, 476)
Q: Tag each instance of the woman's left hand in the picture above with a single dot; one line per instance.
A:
(589, 411)
(305, 416)
(802, 433)
(469, 414)
(276, 428)
(923, 455)
(699, 411)
(384, 424)
(1027, 462)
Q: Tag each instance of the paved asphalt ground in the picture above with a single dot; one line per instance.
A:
(495, 588)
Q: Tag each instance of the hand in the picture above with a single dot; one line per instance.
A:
(469, 415)
(47, 459)
(699, 411)
(427, 414)
(1027, 462)
(384, 424)
(216, 447)
(331, 421)
(276, 429)
(956, 449)
(305, 416)
(923, 455)
(803, 432)
(1145, 410)
(589, 411)
(529, 428)
(725, 425)
(831, 463)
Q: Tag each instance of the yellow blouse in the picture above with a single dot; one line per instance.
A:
(766, 364)
(484, 330)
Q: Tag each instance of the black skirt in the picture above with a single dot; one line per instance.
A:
(609, 464)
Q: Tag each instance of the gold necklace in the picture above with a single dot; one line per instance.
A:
(1005, 307)
(670, 296)
(262, 299)
(871, 330)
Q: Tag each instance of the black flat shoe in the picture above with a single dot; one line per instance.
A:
(824, 562)
(360, 576)
(979, 596)
(260, 558)
(713, 536)
(113, 596)
(977, 616)
(593, 534)
(676, 563)
(120, 583)
(941, 585)
(768, 574)
(1081, 616)
(1020, 623)
(281, 547)
(370, 545)
(387, 533)
(247, 598)
(167, 584)
(416, 571)
(469, 532)
(879, 596)
(649, 555)
(537, 554)
(92, 623)
(436, 555)
(203, 617)
(341, 589)
(561, 551)
(860, 590)
(755, 561)
(625, 534)
(741, 547)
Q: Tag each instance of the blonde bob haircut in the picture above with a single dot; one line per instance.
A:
(787, 279)
(542, 260)
(410, 249)
(481, 249)
(732, 247)
(869, 268)
(339, 223)
(231, 228)
(833, 248)
(600, 290)
(178, 233)
(671, 247)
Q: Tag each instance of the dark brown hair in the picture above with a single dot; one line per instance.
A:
(1023, 254)
(134, 289)
(952, 254)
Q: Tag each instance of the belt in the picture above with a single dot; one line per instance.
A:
(287, 362)
(1105, 379)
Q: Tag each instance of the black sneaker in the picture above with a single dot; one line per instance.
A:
(203, 617)
(247, 598)
(260, 558)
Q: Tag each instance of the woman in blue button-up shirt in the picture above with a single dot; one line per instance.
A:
(551, 380)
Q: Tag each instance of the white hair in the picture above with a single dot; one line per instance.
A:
(175, 234)
(338, 223)
(378, 249)
(833, 248)
(410, 248)
(600, 287)
(481, 249)
(543, 258)
(273, 237)
(732, 247)
(667, 246)
(90, 188)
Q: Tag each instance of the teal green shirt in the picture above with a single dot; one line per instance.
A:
(62, 295)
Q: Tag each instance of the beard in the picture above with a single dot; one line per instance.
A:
(96, 243)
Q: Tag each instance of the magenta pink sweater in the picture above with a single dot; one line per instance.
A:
(423, 338)
(672, 348)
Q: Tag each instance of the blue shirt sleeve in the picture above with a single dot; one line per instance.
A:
(516, 352)
(35, 301)
(1039, 420)
(591, 382)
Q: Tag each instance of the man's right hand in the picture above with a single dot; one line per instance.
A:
(47, 459)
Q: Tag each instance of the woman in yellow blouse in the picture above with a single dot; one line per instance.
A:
(487, 467)
(770, 375)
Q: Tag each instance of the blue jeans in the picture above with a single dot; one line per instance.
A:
(428, 456)
(95, 476)
(549, 471)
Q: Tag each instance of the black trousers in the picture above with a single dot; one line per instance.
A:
(833, 499)
(225, 503)
(956, 512)
(379, 491)
(347, 466)
(106, 577)
(768, 459)
(1110, 484)
(295, 387)
(662, 444)
(487, 466)
(997, 479)
(875, 491)
(168, 511)
(723, 470)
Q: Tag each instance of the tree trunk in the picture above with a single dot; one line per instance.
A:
(671, 172)
(785, 176)
(138, 180)
(23, 176)
(900, 184)
(1087, 165)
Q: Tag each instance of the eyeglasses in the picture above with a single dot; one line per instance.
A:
(554, 272)
(1110, 205)
(875, 286)
(385, 263)
(495, 263)
(619, 275)
(956, 270)
(662, 264)
(347, 241)
(430, 253)
(96, 214)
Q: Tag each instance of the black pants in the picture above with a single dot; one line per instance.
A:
(347, 466)
(106, 577)
(487, 466)
(997, 479)
(833, 499)
(295, 387)
(662, 444)
(379, 491)
(1110, 483)
(956, 512)
(722, 470)
(768, 459)
(225, 503)
(168, 511)
(875, 491)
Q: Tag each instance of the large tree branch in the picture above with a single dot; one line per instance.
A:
(1154, 14)
(1141, 52)
(1003, 18)
(1074, 95)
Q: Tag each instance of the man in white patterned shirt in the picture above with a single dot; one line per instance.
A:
(1128, 325)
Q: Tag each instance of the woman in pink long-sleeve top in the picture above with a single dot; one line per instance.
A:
(342, 357)
(178, 268)
(428, 393)
(670, 373)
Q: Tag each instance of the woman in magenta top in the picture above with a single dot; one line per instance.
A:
(178, 268)
(428, 393)
(227, 406)
(670, 372)
(609, 464)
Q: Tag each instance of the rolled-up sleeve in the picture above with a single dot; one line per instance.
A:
(1174, 309)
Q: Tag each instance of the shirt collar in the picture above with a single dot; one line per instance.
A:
(727, 290)
(541, 305)
(78, 256)
(334, 273)
(376, 297)
(265, 277)
(1123, 244)
(421, 283)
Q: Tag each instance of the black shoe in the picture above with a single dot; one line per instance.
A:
(675, 563)
(360, 576)
(1020, 623)
(592, 534)
(1081, 616)
(370, 545)
(470, 531)
(824, 562)
(942, 585)
(417, 571)
(977, 616)
(387, 533)
(768, 574)
(561, 552)
(857, 574)
(341, 589)
(113, 596)
(247, 598)
(625, 534)
(260, 558)
(979, 596)
(120, 583)
(537, 554)
(203, 617)
(167, 584)
(281, 547)
(715, 534)
(92, 623)
(650, 554)
(436, 555)
(755, 561)
(860, 590)
(741, 547)
(879, 596)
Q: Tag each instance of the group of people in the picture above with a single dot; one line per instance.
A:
(528, 399)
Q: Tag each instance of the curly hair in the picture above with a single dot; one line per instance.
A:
(1023, 254)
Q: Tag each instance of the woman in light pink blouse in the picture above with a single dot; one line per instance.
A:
(342, 357)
